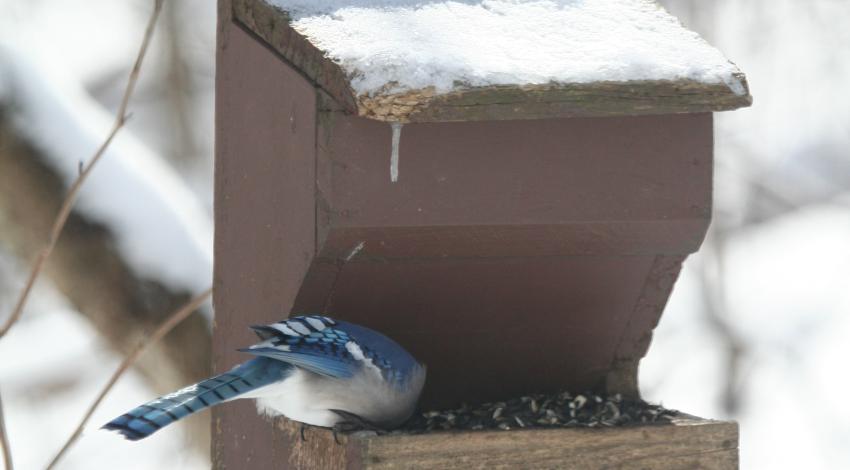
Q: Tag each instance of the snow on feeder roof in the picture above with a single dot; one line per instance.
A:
(450, 60)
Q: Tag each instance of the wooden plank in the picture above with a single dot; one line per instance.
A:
(637, 332)
(516, 325)
(623, 170)
(688, 443)
(496, 227)
(596, 99)
(265, 183)
(576, 224)
(485, 103)
(272, 26)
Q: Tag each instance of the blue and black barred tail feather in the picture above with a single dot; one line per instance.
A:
(149, 418)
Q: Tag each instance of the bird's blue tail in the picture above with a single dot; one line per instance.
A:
(146, 419)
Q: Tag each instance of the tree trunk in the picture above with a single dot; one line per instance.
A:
(88, 269)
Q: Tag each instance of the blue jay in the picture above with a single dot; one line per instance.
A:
(311, 369)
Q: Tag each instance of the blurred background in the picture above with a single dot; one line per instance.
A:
(756, 330)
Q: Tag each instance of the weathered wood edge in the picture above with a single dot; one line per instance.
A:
(272, 25)
(689, 442)
(622, 376)
(554, 100)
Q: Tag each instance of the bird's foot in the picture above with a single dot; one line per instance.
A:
(352, 423)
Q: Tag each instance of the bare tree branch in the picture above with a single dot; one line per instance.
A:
(67, 205)
(716, 313)
(172, 321)
(95, 276)
(4, 441)
(178, 87)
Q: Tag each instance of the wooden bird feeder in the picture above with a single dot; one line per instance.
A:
(516, 237)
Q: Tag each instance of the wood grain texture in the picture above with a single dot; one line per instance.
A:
(596, 99)
(318, 449)
(485, 103)
(272, 27)
(688, 443)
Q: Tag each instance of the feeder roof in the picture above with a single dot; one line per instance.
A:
(450, 60)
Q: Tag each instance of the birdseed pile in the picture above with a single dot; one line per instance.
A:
(563, 410)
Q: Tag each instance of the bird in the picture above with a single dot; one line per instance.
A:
(310, 368)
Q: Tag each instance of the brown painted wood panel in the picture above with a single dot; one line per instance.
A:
(510, 256)
(556, 187)
(642, 237)
(264, 217)
(497, 327)
(689, 443)
(543, 172)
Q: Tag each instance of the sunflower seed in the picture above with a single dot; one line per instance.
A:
(558, 410)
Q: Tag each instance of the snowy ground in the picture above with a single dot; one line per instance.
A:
(786, 270)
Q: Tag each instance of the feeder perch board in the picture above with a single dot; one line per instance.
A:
(687, 443)
(515, 218)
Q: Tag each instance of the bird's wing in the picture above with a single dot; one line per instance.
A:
(312, 342)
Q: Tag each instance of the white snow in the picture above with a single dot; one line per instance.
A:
(159, 224)
(398, 45)
(85, 54)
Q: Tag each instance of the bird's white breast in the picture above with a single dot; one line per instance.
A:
(308, 397)
(300, 397)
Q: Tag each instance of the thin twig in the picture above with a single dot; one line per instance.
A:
(716, 311)
(4, 442)
(173, 320)
(71, 197)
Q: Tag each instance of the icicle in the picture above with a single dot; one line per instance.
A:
(396, 126)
